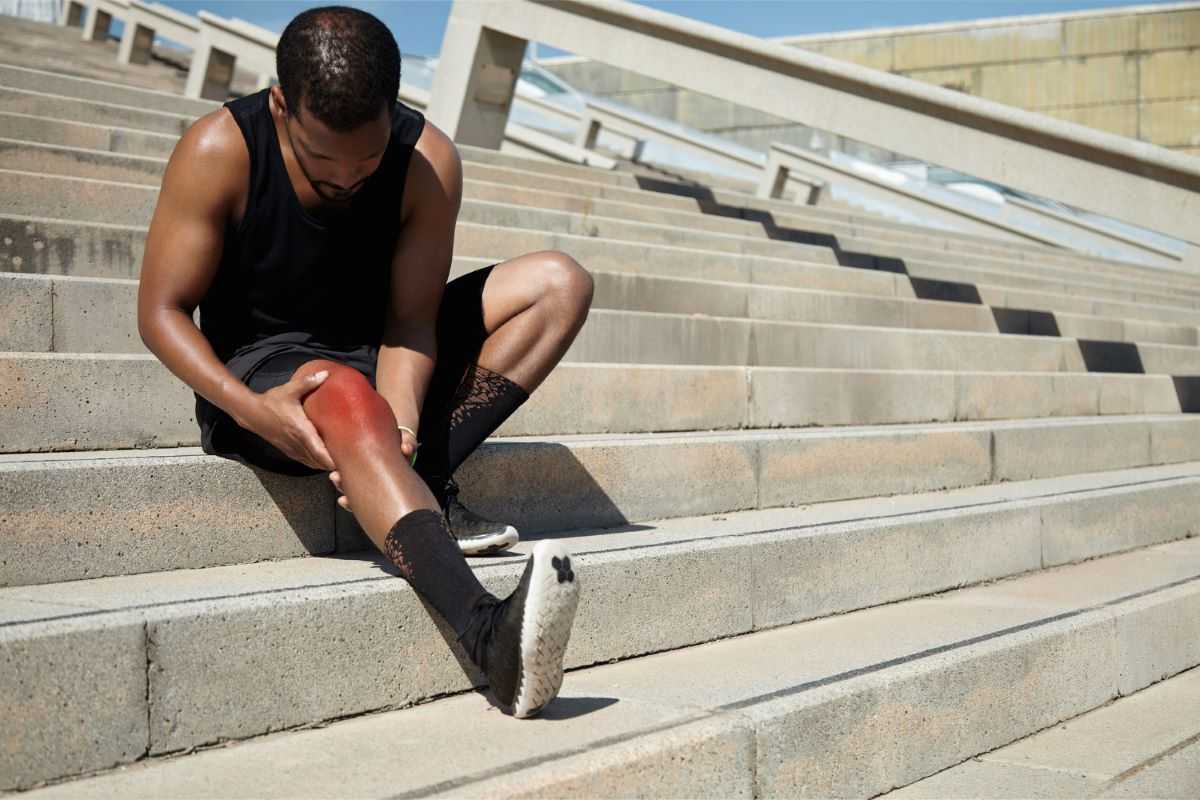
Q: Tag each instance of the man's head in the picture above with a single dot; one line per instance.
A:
(339, 74)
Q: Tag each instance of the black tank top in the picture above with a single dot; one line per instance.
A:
(288, 280)
(284, 272)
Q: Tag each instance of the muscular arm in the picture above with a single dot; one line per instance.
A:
(183, 251)
(420, 267)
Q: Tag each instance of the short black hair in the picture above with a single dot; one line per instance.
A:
(342, 61)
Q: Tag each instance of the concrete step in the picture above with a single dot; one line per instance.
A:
(93, 112)
(521, 193)
(640, 337)
(41, 313)
(180, 660)
(125, 141)
(39, 196)
(75, 402)
(40, 245)
(101, 91)
(948, 239)
(62, 52)
(112, 506)
(1143, 745)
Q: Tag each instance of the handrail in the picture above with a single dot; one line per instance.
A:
(1013, 220)
(1128, 180)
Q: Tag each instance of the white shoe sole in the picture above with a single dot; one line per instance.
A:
(545, 627)
(483, 545)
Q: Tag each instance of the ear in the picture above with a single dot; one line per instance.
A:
(280, 101)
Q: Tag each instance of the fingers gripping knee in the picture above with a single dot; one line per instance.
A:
(345, 407)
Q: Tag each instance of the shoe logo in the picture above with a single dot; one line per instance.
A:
(563, 566)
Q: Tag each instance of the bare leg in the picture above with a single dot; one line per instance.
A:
(533, 307)
(359, 429)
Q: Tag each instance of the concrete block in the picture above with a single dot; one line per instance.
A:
(64, 198)
(89, 679)
(633, 292)
(1078, 326)
(26, 316)
(628, 398)
(1168, 359)
(1170, 75)
(153, 512)
(987, 396)
(801, 397)
(1113, 520)
(101, 91)
(856, 565)
(800, 306)
(84, 401)
(269, 661)
(1171, 29)
(1158, 636)
(1044, 452)
(1174, 441)
(1098, 35)
(1146, 331)
(1071, 81)
(35, 103)
(74, 162)
(643, 338)
(816, 468)
(839, 740)
(34, 245)
(1023, 40)
(96, 316)
(847, 347)
(542, 486)
(1137, 394)
(1172, 123)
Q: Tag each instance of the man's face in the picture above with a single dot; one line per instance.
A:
(337, 164)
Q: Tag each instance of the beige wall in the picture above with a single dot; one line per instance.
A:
(1131, 71)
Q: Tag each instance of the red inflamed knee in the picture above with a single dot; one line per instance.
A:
(345, 407)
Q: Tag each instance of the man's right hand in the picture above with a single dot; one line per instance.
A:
(280, 419)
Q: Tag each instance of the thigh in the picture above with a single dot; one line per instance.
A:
(233, 441)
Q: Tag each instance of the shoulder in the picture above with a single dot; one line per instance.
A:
(435, 171)
(214, 151)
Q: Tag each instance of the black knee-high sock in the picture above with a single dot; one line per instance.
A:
(479, 405)
(484, 400)
(422, 548)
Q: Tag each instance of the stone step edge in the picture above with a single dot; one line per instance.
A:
(913, 302)
(938, 252)
(1080, 280)
(1073, 636)
(112, 498)
(533, 163)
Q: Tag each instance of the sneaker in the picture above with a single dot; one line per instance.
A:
(521, 650)
(476, 535)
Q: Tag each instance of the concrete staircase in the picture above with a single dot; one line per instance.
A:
(853, 501)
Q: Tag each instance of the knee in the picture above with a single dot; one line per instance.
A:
(345, 403)
(566, 284)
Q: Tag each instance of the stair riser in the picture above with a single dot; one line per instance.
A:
(68, 404)
(528, 191)
(66, 108)
(115, 506)
(287, 669)
(102, 92)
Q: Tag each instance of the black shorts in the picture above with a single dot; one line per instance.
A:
(460, 336)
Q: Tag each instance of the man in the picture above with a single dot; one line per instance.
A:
(313, 224)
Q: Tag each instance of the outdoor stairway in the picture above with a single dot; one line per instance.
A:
(852, 502)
